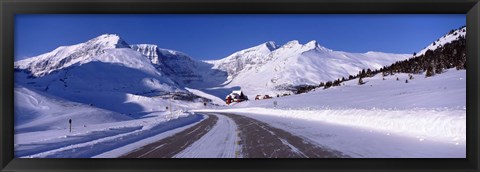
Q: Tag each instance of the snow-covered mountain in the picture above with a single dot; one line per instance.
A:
(263, 69)
(110, 63)
(66, 56)
(447, 38)
(103, 63)
(177, 65)
(103, 71)
(245, 59)
(268, 68)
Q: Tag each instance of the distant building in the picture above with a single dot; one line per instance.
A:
(236, 96)
(260, 97)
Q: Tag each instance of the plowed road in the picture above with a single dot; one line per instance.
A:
(256, 139)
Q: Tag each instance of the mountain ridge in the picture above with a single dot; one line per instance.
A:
(266, 68)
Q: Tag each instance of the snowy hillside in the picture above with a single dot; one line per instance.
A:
(36, 111)
(447, 90)
(430, 111)
(449, 37)
(269, 69)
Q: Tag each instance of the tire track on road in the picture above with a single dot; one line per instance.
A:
(260, 140)
(172, 145)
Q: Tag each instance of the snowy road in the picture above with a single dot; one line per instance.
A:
(222, 141)
(260, 140)
(226, 135)
(170, 146)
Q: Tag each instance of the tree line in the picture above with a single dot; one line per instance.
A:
(450, 55)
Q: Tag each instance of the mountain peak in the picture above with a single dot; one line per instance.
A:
(109, 41)
(66, 56)
(292, 42)
(313, 44)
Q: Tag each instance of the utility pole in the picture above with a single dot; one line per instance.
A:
(173, 96)
(70, 122)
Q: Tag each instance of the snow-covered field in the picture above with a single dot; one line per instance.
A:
(425, 117)
(42, 128)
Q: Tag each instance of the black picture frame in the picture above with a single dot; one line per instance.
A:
(9, 8)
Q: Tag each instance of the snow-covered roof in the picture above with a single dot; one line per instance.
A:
(237, 92)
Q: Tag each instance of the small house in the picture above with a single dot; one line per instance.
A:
(236, 96)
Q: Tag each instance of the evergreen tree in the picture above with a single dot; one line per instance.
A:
(369, 72)
(430, 71)
(350, 77)
(439, 67)
(360, 81)
(327, 85)
(321, 84)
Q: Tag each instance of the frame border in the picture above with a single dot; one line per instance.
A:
(9, 8)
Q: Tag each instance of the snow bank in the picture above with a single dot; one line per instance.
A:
(439, 125)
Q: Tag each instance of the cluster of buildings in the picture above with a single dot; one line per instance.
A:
(239, 96)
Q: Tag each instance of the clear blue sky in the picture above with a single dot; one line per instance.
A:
(216, 36)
